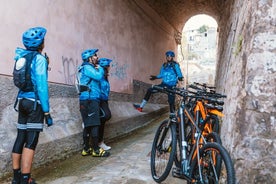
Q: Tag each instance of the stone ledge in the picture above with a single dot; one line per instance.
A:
(64, 138)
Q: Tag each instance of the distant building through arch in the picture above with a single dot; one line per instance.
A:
(197, 53)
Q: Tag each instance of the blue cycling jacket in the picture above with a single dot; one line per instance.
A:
(105, 89)
(39, 76)
(170, 73)
(91, 76)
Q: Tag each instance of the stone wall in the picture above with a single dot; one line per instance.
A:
(246, 73)
(128, 32)
(65, 136)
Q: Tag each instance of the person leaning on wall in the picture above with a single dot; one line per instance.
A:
(105, 113)
(33, 106)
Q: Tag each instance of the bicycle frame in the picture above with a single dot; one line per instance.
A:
(186, 157)
(205, 113)
(198, 141)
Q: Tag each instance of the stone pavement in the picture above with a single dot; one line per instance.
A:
(129, 163)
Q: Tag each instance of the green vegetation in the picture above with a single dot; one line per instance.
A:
(203, 29)
(238, 46)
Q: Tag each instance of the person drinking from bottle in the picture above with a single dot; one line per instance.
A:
(105, 113)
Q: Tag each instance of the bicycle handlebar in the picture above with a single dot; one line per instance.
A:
(204, 91)
(204, 85)
(186, 93)
(179, 91)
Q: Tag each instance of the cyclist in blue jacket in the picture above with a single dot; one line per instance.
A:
(105, 112)
(33, 106)
(90, 75)
(170, 74)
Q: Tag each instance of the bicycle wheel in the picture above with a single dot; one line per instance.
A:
(215, 166)
(163, 151)
(213, 137)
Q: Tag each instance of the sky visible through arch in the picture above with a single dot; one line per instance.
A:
(198, 20)
(197, 70)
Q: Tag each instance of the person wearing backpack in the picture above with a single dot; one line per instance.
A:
(33, 102)
(90, 75)
(170, 74)
(105, 113)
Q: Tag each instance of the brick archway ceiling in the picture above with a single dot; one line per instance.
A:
(177, 12)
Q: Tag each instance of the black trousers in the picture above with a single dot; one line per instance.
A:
(105, 115)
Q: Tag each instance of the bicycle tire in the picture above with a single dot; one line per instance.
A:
(163, 151)
(213, 137)
(225, 170)
(215, 123)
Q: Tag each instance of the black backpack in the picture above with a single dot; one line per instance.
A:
(22, 75)
(22, 72)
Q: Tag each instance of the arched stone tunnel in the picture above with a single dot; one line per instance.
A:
(126, 31)
(245, 72)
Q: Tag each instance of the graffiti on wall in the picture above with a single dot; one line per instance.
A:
(69, 66)
(69, 69)
(119, 71)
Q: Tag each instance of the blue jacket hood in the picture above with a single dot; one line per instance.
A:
(19, 52)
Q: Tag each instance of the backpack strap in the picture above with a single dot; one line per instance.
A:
(90, 79)
(16, 102)
(29, 58)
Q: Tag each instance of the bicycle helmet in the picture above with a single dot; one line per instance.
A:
(88, 53)
(33, 37)
(104, 62)
(170, 53)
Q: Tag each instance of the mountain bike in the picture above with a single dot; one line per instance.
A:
(200, 161)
